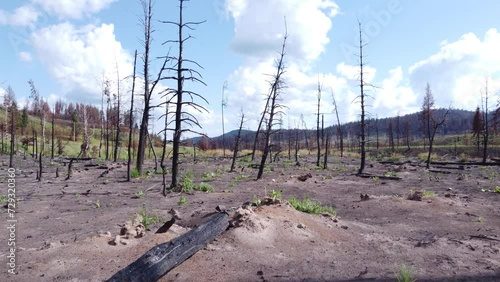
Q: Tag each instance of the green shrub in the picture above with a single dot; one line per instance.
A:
(138, 195)
(405, 274)
(134, 173)
(182, 201)
(309, 206)
(204, 187)
(149, 218)
(187, 182)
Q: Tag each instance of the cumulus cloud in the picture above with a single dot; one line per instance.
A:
(25, 15)
(458, 71)
(259, 26)
(78, 58)
(73, 9)
(25, 56)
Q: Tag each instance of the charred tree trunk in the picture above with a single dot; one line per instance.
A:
(13, 109)
(131, 121)
(362, 97)
(162, 258)
(237, 143)
(52, 137)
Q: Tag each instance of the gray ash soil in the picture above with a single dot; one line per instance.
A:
(451, 236)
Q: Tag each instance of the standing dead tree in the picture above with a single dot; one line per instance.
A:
(429, 121)
(477, 127)
(277, 84)
(40, 111)
(486, 122)
(131, 121)
(318, 141)
(84, 147)
(117, 114)
(183, 73)
(149, 86)
(362, 97)
(11, 106)
(340, 133)
(223, 105)
(237, 142)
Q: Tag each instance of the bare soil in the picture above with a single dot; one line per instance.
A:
(66, 228)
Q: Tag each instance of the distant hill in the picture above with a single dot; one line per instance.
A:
(458, 122)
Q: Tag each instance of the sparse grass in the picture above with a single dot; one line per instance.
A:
(390, 174)
(3, 199)
(187, 181)
(97, 204)
(312, 207)
(207, 176)
(479, 219)
(149, 218)
(405, 274)
(497, 189)
(204, 187)
(138, 195)
(429, 194)
(182, 201)
(77, 195)
(423, 156)
(375, 178)
(275, 195)
(256, 201)
(134, 173)
(327, 177)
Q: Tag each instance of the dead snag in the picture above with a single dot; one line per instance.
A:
(159, 260)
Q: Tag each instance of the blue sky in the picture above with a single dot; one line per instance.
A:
(67, 47)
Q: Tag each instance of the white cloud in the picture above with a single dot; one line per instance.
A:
(79, 57)
(394, 95)
(25, 56)
(308, 24)
(22, 16)
(73, 9)
(259, 28)
(458, 71)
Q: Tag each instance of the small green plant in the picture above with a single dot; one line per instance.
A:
(390, 174)
(497, 189)
(429, 194)
(149, 218)
(134, 173)
(327, 177)
(256, 201)
(375, 178)
(187, 182)
(77, 195)
(138, 195)
(182, 201)
(3, 199)
(207, 176)
(97, 204)
(309, 206)
(204, 187)
(275, 195)
(405, 274)
(479, 219)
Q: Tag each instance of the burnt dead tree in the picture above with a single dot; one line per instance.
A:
(237, 142)
(340, 132)
(117, 114)
(486, 122)
(430, 122)
(223, 105)
(362, 97)
(277, 85)
(39, 111)
(318, 132)
(131, 121)
(146, 22)
(183, 98)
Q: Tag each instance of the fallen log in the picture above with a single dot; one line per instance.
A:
(162, 258)
(385, 177)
